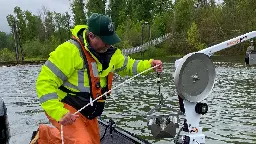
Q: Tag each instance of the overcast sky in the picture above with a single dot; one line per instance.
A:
(34, 6)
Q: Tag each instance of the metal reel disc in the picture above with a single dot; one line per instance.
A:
(194, 77)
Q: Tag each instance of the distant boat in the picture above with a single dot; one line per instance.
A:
(250, 58)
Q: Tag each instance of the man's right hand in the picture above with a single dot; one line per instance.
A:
(68, 119)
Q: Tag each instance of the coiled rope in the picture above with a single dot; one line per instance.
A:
(91, 102)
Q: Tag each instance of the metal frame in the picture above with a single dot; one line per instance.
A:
(194, 134)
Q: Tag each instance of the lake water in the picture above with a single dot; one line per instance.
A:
(231, 117)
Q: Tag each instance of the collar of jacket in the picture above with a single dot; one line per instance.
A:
(78, 28)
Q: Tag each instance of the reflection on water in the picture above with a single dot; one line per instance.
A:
(231, 116)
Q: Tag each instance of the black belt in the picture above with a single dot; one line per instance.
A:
(79, 99)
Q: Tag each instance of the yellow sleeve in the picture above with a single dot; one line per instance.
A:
(58, 68)
(128, 66)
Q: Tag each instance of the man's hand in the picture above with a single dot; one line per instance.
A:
(68, 119)
(157, 62)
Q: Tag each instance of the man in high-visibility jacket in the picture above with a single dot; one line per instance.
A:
(77, 72)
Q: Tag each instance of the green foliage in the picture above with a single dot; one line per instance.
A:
(10, 19)
(162, 6)
(32, 26)
(184, 10)
(21, 24)
(49, 24)
(129, 33)
(194, 37)
(78, 12)
(142, 9)
(117, 11)
(6, 41)
(193, 34)
(35, 48)
(193, 25)
(62, 23)
(95, 6)
(155, 52)
(3, 39)
(151, 52)
(7, 55)
(161, 24)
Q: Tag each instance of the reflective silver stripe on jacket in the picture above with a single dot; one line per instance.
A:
(81, 82)
(81, 72)
(134, 67)
(124, 65)
(47, 97)
(80, 86)
(56, 70)
(95, 69)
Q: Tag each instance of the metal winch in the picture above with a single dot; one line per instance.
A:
(194, 79)
(162, 125)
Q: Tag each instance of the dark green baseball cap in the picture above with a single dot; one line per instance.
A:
(102, 26)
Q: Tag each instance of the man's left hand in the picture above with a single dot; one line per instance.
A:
(159, 68)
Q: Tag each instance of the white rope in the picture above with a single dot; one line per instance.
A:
(128, 80)
(61, 134)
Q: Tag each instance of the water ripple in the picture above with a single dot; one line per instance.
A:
(231, 117)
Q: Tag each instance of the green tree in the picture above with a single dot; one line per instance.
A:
(162, 6)
(7, 55)
(183, 11)
(162, 24)
(21, 24)
(41, 26)
(49, 24)
(142, 10)
(209, 20)
(62, 23)
(3, 40)
(95, 6)
(10, 19)
(117, 11)
(33, 24)
(6, 41)
(130, 34)
(79, 16)
(194, 37)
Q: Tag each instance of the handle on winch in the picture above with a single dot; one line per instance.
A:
(159, 95)
(159, 88)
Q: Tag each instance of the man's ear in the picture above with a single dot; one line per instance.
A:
(91, 35)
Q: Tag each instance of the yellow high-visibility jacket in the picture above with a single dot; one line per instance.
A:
(66, 67)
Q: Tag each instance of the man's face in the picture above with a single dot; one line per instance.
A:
(98, 44)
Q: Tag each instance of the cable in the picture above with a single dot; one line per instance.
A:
(175, 140)
(91, 102)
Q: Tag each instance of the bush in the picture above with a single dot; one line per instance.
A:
(155, 52)
(130, 34)
(7, 55)
(36, 49)
(33, 48)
